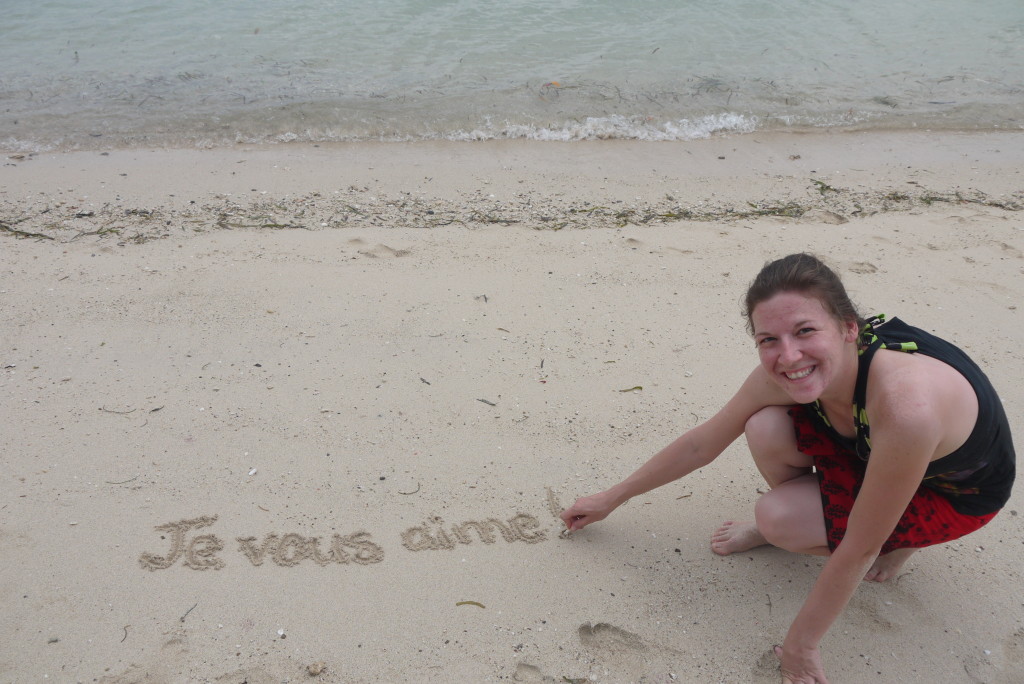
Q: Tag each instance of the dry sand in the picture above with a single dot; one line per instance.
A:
(254, 400)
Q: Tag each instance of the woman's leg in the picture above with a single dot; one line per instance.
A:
(772, 443)
(791, 518)
(790, 515)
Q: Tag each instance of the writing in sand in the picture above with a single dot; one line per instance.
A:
(202, 551)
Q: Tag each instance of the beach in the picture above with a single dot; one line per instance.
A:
(296, 412)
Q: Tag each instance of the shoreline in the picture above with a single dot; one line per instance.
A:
(581, 129)
(239, 452)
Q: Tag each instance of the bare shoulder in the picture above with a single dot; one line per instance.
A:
(916, 393)
(904, 376)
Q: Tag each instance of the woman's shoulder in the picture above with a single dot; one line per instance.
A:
(918, 392)
(914, 376)
(913, 355)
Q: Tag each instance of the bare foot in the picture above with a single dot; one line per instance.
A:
(734, 537)
(887, 566)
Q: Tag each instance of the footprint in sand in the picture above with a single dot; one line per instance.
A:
(383, 251)
(766, 669)
(979, 670)
(530, 673)
(953, 221)
(981, 284)
(611, 639)
(885, 241)
(133, 674)
(1011, 250)
(862, 267)
(956, 220)
(623, 653)
(888, 610)
(1013, 654)
(175, 646)
(626, 655)
(823, 216)
(249, 675)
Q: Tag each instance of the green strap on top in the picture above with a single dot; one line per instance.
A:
(869, 344)
(868, 337)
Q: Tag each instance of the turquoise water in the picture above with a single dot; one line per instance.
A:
(201, 73)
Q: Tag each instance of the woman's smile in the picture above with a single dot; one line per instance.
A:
(803, 347)
(800, 374)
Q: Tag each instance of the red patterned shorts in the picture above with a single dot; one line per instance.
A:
(929, 519)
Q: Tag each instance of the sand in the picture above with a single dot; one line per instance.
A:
(300, 413)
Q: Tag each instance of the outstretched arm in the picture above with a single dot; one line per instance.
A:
(678, 459)
(695, 449)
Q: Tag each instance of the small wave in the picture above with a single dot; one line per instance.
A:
(22, 146)
(614, 128)
(256, 131)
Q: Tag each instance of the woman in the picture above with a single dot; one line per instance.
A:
(877, 435)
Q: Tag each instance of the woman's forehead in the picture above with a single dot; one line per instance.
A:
(787, 308)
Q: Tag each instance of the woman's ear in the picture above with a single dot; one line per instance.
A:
(851, 331)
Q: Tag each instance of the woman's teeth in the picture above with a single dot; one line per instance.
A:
(800, 373)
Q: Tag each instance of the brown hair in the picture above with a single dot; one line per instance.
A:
(806, 274)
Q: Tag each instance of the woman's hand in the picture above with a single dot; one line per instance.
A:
(801, 666)
(588, 510)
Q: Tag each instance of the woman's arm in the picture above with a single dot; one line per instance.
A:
(695, 449)
(906, 429)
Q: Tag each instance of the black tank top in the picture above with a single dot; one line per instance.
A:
(977, 477)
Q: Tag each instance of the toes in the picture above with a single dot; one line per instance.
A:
(724, 530)
(875, 575)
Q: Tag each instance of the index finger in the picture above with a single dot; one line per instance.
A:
(570, 521)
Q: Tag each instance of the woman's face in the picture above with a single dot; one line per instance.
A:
(806, 351)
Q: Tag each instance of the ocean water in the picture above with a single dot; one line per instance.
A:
(105, 73)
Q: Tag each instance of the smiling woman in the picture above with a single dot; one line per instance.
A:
(876, 438)
(802, 346)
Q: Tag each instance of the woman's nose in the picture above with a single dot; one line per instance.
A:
(789, 351)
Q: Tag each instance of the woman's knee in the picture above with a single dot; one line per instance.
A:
(773, 514)
(772, 442)
(790, 516)
(768, 427)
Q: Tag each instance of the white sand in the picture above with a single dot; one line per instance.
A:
(328, 381)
